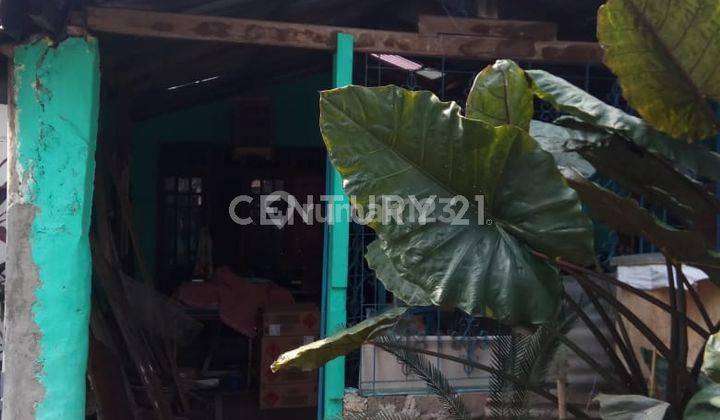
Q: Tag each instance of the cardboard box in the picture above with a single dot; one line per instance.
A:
(288, 395)
(298, 319)
(271, 348)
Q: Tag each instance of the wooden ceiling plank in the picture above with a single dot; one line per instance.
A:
(244, 78)
(208, 66)
(283, 34)
(180, 59)
(444, 25)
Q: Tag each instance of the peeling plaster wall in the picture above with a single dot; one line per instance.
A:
(52, 165)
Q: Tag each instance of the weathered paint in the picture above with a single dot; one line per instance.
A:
(336, 256)
(56, 95)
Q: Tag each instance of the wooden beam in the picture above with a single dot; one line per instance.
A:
(442, 25)
(282, 34)
(165, 62)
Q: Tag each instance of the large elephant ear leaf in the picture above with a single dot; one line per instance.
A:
(625, 215)
(571, 100)
(411, 293)
(501, 95)
(665, 54)
(563, 143)
(317, 353)
(390, 142)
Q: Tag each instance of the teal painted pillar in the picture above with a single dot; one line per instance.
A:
(54, 95)
(337, 235)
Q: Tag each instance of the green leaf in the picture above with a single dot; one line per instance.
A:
(649, 175)
(626, 216)
(528, 358)
(501, 95)
(569, 99)
(430, 373)
(665, 54)
(711, 358)
(410, 293)
(585, 148)
(392, 142)
(705, 404)
(317, 353)
(631, 407)
(562, 143)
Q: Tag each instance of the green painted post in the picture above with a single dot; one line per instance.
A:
(53, 125)
(336, 254)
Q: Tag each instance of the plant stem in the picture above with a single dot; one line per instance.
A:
(618, 365)
(628, 355)
(698, 302)
(682, 339)
(672, 386)
(601, 370)
(631, 317)
(569, 267)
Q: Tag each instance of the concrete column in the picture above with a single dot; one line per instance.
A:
(54, 95)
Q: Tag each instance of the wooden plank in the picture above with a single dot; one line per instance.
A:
(321, 37)
(443, 25)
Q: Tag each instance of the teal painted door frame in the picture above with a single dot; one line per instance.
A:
(335, 264)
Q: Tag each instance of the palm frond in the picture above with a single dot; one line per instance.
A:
(389, 415)
(433, 377)
(384, 414)
(526, 358)
(504, 356)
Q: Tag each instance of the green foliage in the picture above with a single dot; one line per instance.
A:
(563, 143)
(526, 358)
(410, 293)
(501, 95)
(595, 114)
(392, 142)
(627, 216)
(503, 394)
(428, 372)
(665, 53)
(623, 148)
(317, 353)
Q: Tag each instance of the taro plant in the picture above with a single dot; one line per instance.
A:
(533, 176)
